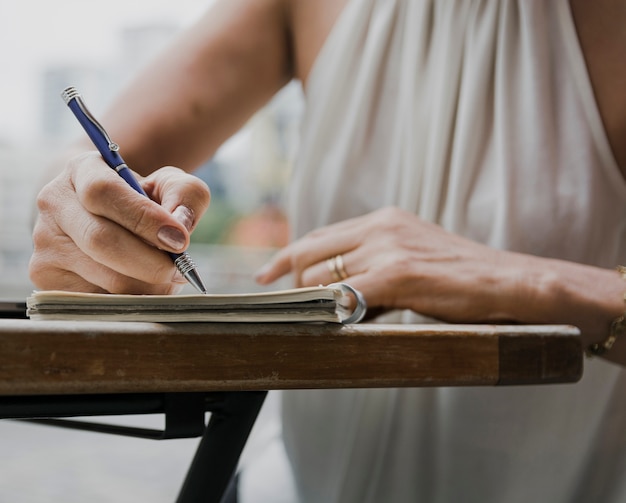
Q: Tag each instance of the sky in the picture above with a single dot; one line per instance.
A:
(36, 33)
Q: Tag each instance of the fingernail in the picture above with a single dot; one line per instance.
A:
(184, 215)
(171, 237)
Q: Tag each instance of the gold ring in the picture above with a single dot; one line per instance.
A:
(336, 268)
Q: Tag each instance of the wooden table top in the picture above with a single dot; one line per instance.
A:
(60, 357)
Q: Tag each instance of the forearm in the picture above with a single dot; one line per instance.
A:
(198, 92)
(204, 88)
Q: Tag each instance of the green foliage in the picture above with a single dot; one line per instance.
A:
(215, 223)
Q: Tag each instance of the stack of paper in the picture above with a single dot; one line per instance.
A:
(337, 303)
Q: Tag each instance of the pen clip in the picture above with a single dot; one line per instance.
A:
(70, 94)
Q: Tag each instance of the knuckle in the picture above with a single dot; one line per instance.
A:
(96, 194)
(298, 261)
(44, 201)
(98, 238)
(308, 277)
(171, 171)
(50, 197)
(302, 268)
(117, 283)
(41, 241)
(37, 270)
(197, 193)
(388, 214)
(200, 188)
(39, 236)
(163, 272)
(139, 217)
(48, 240)
(44, 275)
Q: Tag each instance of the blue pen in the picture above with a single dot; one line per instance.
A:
(109, 152)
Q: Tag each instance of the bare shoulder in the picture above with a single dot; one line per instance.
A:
(310, 23)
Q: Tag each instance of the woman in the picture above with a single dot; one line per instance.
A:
(465, 160)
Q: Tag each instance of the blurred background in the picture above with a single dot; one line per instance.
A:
(96, 46)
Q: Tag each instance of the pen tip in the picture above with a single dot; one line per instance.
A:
(194, 278)
(187, 268)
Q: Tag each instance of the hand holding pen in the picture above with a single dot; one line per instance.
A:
(110, 153)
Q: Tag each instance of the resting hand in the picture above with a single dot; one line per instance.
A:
(399, 261)
(94, 233)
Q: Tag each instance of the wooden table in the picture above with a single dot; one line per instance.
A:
(63, 369)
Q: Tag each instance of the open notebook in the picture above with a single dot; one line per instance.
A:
(336, 303)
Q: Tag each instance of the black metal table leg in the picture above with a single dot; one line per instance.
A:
(218, 452)
(214, 464)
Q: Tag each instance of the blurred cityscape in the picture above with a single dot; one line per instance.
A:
(247, 176)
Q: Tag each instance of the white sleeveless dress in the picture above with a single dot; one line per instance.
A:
(480, 116)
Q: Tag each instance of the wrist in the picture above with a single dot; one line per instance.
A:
(556, 291)
(617, 330)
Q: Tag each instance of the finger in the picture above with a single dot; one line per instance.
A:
(311, 250)
(63, 279)
(299, 257)
(45, 275)
(326, 242)
(72, 239)
(102, 192)
(280, 265)
(370, 291)
(183, 195)
(121, 251)
(333, 270)
(70, 269)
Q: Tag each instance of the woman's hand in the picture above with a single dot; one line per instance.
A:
(399, 261)
(94, 233)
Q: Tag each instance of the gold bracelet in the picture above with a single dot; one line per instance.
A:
(618, 327)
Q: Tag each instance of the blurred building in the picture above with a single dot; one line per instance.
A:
(57, 124)
(19, 173)
(98, 83)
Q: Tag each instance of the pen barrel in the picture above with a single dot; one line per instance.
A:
(102, 143)
(109, 152)
(95, 134)
(124, 171)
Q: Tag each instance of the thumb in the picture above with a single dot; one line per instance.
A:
(185, 216)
